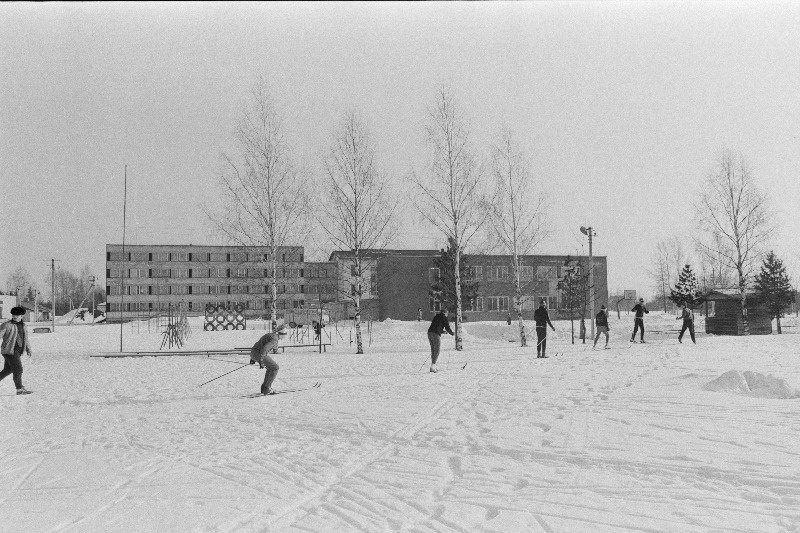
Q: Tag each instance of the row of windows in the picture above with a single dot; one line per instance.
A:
(257, 273)
(497, 303)
(115, 290)
(239, 257)
(501, 273)
(256, 305)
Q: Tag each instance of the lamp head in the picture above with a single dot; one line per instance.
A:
(584, 230)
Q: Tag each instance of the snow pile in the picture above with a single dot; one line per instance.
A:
(753, 384)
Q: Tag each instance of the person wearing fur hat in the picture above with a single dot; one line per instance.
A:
(260, 353)
(15, 340)
(601, 321)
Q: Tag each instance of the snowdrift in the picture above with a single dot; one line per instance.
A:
(753, 384)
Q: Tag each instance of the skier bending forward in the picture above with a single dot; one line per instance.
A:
(260, 353)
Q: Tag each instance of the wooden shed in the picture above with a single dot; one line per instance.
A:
(724, 314)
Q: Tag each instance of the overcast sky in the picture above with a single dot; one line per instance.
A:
(623, 109)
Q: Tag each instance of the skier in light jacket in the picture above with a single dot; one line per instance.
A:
(14, 337)
(260, 353)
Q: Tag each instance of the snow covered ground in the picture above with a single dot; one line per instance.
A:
(643, 437)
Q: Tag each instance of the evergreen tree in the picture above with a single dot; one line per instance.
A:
(773, 288)
(444, 288)
(574, 287)
(687, 290)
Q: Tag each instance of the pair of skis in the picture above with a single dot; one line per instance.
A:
(316, 385)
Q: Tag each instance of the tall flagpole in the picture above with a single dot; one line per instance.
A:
(122, 270)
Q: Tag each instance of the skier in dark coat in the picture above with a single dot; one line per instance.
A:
(15, 340)
(260, 354)
(688, 323)
(438, 325)
(542, 319)
(638, 321)
(601, 321)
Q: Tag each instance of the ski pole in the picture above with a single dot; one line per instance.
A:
(225, 374)
(423, 362)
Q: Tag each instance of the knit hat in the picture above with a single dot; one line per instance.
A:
(602, 307)
(18, 311)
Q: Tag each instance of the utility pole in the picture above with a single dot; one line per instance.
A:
(122, 265)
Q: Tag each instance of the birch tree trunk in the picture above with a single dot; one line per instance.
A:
(450, 195)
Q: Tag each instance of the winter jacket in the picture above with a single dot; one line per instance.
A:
(9, 333)
(640, 310)
(542, 318)
(601, 319)
(264, 346)
(687, 315)
(439, 324)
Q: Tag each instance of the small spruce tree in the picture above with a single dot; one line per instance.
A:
(687, 290)
(444, 289)
(574, 290)
(773, 288)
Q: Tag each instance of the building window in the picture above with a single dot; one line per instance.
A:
(161, 257)
(496, 273)
(497, 303)
(180, 256)
(180, 273)
(433, 275)
(526, 273)
(474, 273)
(159, 273)
(474, 304)
(353, 271)
(140, 256)
(240, 257)
(435, 304)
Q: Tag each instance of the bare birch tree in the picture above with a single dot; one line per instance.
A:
(517, 212)
(265, 199)
(450, 195)
(666, 264)
(712, 270)
(732, 208)
(358, 213)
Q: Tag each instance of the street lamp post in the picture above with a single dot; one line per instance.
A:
(588, 231)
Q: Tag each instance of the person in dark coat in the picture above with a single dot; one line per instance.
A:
(439, 324)
(260, 354)
(601, 321)
(15, 339)
(688, 323)
(542, 319)
(638, 321)
(317, 329)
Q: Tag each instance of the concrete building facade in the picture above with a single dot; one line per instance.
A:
(396, 283)
(405, 282)
(155, 278)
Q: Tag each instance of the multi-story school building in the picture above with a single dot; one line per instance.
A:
(396, 283)
(154, 278)
(404, 283)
